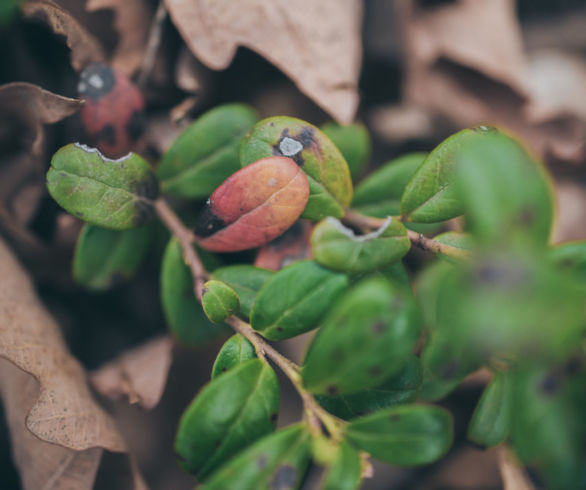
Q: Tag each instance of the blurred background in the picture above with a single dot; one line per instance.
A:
(414, 71)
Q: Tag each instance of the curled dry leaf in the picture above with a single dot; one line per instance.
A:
(133, 21)
(317, 44)
(139, 373)
(85, 48)
(52, 417)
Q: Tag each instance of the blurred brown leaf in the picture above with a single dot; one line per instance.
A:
(133, 21)
(140, 373)
(512, 473)
(54, 405)
(317, 44)
(85, 48)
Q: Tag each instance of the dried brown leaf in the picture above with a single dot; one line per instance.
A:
(133, 21)
(140, 373)
(317, 44)
(85, 48)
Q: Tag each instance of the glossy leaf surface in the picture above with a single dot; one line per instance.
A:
(570, 257)
(104, 258)
(114, 194)
(253, 206)
(365, 339)
(295, 299)
(228, 414)
(326, 169)
(206, 152)
(246, 280)
(235, 351)
(338, 247)
(353, 141)
(219, 301)
(408, 435)
(345, 471)
(401, 388)
(277, 461)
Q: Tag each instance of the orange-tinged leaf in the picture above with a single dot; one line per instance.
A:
(253, 206)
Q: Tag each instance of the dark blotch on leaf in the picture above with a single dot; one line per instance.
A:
(449, 370)
(378, 328)
(332, 389)
(274, 417)
(207, 223)
(550, 384)
(526, 216)
(116, 278)
(107, 134)
(261, 462)
(148, 187)
(92, 91)
(395, 417)
(375, 371)
(285, 478)
(136, 125)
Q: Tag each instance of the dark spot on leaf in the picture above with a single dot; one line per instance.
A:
(144, 212)
(207, 223)
(89, 90)
(527, 217)
(375, 371)
(338, 354)
(306, 137)
(395, 417)
(332, 390)
(136, 125)
(224, 369)
(116, 278)
(107, 134)
(480, 447)
(62, 174)
(449, 369)
(261, 462)
(573, 366)
(397, 303)
(285, 478)
(379, 327)
(79, 213)
(204, 291)
(274, 417)
(567, 262)
(550, 384)
(148, 187)
(501, 275)
(279, 329)
(218, 443)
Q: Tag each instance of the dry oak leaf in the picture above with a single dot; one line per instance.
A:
(140, 373)
(85, 48)
(316, 43)
(133, 22)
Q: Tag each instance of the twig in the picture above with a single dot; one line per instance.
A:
(153, 43)
(314, 413)
(417, 239)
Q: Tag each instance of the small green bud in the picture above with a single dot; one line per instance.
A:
(219, 301)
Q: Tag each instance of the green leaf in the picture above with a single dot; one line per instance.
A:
(353, 140)
(345, 472)
(184, 314)
(408, 435)
(570, 257)
(431, 195)
(366, 338)
(103, 257)
(428, 286)
(206, 152)
(327, 172)
(295, 299)
(114, 194)
(228, 414)
(458, 242)
(384, 187)
(219, 301)
(507, 195)
(235, 351)
(246, 280)
(277, 461)
(491, 422)
(401, 388)
(337, 247)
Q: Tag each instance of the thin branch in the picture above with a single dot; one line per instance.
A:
(153, 43)
(417, 239)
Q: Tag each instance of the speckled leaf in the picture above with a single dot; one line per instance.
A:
(246, 280)
(104, 258)
(295, 299)
(228, 414)
(206, 152)
(366, 338)
(408, 435)
(345, 472)
(431, 195)
(326, 169)
(460, 242)
(338, 248)
(402, 387)
(507, 194)
(353, 140)
(114, 194)
(219, 301)
(253, 206)
(491, 422)
(184, 315)
(235, 351)
(276, 462)
(570, 257)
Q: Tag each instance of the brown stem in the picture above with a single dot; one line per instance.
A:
(153, 43)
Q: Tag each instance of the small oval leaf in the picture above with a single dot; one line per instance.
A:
(104, 258)
(345, 472)
(228, 414)
(246, 280)
(353, 140)
(326, 169)
(339, 248)
(253, 206)
(219, 301)
(408, 435)
(235, 351)
(114, 194)
(295, 299)
(367, 337)
(206, 152)
(276, 462)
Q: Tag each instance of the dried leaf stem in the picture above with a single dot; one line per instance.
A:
(314, 413)
(154, 40)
